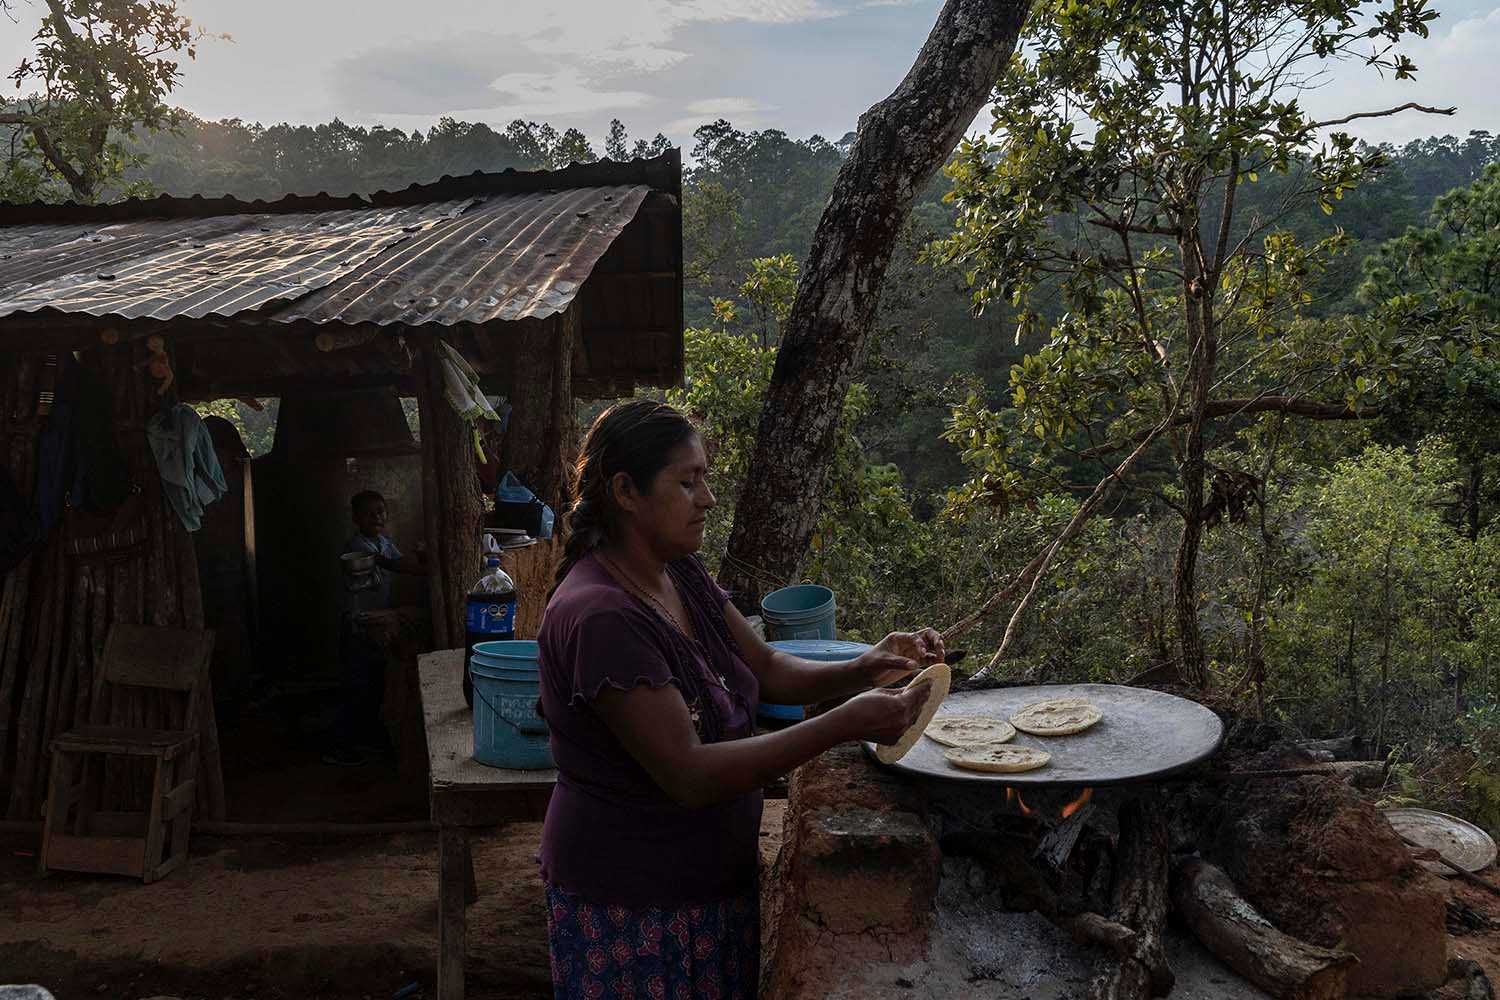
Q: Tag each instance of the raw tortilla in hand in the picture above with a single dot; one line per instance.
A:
(1057, 717)
(940, 677)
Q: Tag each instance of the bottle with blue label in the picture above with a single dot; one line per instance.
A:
(489, 615)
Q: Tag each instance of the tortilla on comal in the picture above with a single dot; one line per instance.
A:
(998, 758)
(969, 730)
(1056, 717)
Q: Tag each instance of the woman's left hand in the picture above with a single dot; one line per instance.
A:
(899, 655)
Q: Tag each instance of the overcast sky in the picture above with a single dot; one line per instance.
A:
(803, 66)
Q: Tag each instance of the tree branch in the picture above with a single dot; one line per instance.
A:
(1121, 226)
(1294, 405)
(56, 158)
(1408, 106)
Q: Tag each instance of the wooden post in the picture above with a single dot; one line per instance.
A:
(450, 501)
(453, 852)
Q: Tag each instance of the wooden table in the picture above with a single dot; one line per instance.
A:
(464, 794)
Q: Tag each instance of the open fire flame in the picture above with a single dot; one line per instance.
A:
(1013, 797)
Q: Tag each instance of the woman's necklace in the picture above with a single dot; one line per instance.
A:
(640, 591)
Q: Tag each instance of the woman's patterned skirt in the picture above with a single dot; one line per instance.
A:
(710, 951)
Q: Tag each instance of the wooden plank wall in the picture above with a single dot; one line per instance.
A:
(55, 610)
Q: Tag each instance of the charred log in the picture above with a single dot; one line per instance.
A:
(1140, 901)
(1026, 889)
(1476, 983)
(1242, 939)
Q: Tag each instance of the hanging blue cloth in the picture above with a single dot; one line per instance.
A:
(190, 472)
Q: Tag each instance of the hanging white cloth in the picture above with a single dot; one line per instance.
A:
(461, 386)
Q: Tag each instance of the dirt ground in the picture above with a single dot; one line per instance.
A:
(284, 918)
(279, 919)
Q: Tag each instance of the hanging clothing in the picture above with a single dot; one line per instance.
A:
(190, 473)
(79, 465)
(101, 480)
(20, 528)
(56, 454)
(461, 386)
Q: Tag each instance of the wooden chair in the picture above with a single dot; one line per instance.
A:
(80, 836)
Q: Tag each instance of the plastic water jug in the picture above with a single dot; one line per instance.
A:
(489, 615)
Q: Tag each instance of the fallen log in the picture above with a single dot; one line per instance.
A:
(1232, 929)
(1139, 902)
(1342, 748)
(1359, 773)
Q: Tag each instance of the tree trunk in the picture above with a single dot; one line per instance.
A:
(540, 445)
(1202, 349)
(542, 434)
(1385, 651)
(450, 502)
(902, 142)
(1471, 499)
(1353, 671)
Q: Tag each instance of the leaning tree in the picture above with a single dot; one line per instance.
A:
(1106, 206)
(900, 145)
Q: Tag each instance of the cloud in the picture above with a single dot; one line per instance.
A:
(722, 107)
(555, 59)
(559, 94)
(428, 77)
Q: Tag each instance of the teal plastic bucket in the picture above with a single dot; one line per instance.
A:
(507, 683)
(822, 650)
(806, 611)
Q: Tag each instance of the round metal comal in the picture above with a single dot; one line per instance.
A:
(1143, 734)
(1458, 840)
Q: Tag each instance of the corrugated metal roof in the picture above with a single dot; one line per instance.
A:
(475, 259)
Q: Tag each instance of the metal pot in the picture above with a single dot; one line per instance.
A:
(356, 563)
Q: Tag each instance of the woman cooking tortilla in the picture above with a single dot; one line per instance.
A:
(650, 680)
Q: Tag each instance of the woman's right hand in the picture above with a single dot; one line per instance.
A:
(882, 715)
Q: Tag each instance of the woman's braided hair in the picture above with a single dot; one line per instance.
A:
(636, 437)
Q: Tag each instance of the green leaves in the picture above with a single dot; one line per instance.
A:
(102, 71)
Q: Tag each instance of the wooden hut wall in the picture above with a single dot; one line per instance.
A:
(56, 609)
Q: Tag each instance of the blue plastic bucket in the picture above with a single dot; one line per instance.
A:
(507, 683)
(806, 611)
(822, 650)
